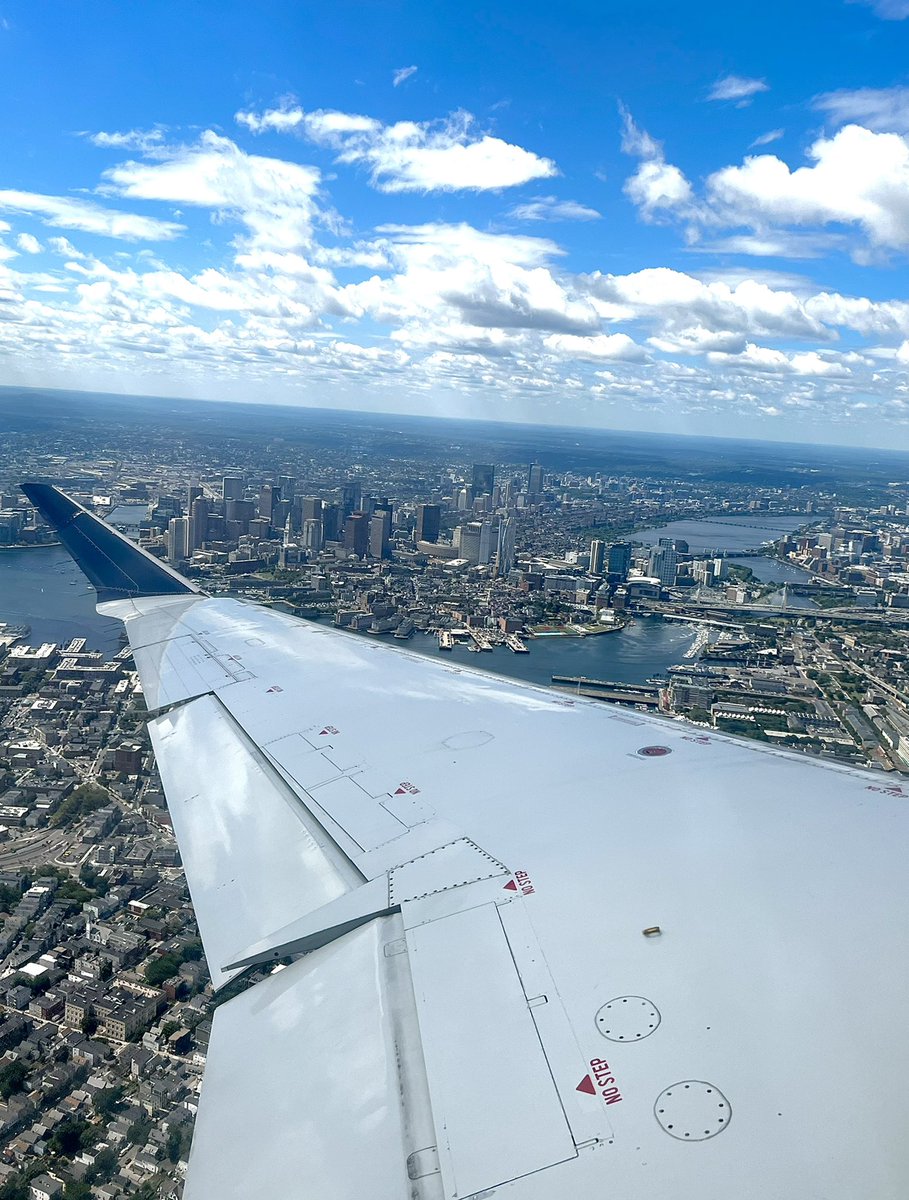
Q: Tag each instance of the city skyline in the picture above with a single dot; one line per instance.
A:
(601, 219)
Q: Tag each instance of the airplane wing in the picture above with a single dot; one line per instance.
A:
(542, 947)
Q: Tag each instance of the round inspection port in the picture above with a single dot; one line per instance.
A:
(692, 1110)
(628, 1019)
(654, 751)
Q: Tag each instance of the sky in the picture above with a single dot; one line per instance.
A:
(676, 218)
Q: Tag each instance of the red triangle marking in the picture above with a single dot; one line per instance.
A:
(586, 1085)
(400, 791)
(323, 732)
(510, 886)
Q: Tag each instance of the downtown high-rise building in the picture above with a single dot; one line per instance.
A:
(380, 533)
(429, 521)
(232, 487)
(198, 522)
(177, 539)
(506, 543)
(484, 478)
(664, 562)
(311, 536)
(597, 556)
(534, 480)
(356, 534)
(618, 561)
(269, 495)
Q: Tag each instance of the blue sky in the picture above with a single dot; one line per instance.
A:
(648, 216)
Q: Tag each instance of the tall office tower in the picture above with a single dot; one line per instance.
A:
(351, 495)
(260, 528)
(467, 539)
(597, 553)
(288, 486)
(331, 522)
(312, 535)
(312, 508)
(508, 492)
(464, 498)
(268, 498)
(505, 548)
(429, 519)
(719, 568)
(619, 560)
(280, 512)
(534, 480)
(356, 534)
(232, 487)
(664, 562)
(192, 492)
(380, 533)
(484, 478)
(177, 539)
(198, 522)
(489, 540)
(241, 511)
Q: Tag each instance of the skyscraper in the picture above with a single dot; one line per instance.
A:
(429, 518)
(597, 552)
(268, 498)
(288, 485)
(534, 479)
(489, 541)
(351, 495)
(192, 492)
(379, 533)
(619, 560)
(312, 508)
(484, 476)
(178, 539)
(356, 534)
(312, 535)
(198, 522)
(232, 487)
(664, 562)
(505, 549)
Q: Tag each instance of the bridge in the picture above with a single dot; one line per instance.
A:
(646, 694)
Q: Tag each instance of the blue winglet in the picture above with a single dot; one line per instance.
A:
(116, 567)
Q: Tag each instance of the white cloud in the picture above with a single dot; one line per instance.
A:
(858, 178)
(600, 346)
(28, 243)
(64, 212)
(736, 87)
(402, 74)
(411, 156)
(549, 208)
(143, 140)
(764, 139)
(885, 110)
(657, 188)
(274, 199)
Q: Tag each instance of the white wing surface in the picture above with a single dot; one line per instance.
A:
(471, 865)
(543, 948)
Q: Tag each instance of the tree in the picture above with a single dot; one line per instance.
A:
(106, 970)
(138, 1132)
(70, 1137)
(160, 969)
(108, 1101)
(77, 1190)
(89, 1024)
(12, 1078)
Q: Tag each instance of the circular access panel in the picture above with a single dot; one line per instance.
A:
(469, 740)
(692, 1110)
(628, 1019)
(654, 751)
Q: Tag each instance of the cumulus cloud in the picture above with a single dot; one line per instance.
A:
(28, 243)
(885, 110)
(274, 199)
(598, 347)
(402, 74)
(411, 156)
(134, 139)
(657, 188)
(65, 212)
(857, 177)
(738, 88)
(549, 208)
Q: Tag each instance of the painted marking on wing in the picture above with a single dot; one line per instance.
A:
(274, 688)
(600, 1082)
(328, 729)
(698, 739)
(894, 789)
(405, 788)
(520, 881)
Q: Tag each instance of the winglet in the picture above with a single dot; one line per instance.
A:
(117, 567)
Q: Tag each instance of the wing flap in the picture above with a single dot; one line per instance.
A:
(252, 862)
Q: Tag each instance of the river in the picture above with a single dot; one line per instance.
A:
(43, 588)
(725, 534)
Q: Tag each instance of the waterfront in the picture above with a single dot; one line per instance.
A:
(646, 647)
(43, 588)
